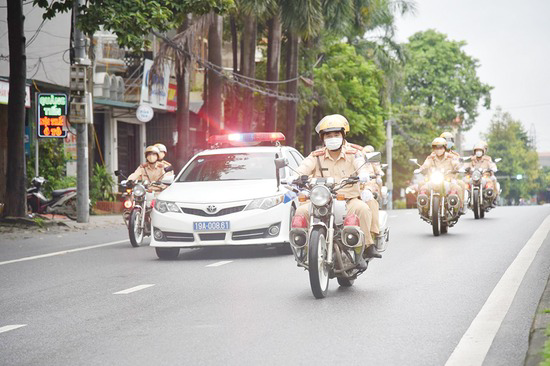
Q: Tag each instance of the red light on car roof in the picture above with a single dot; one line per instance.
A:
(244, 139)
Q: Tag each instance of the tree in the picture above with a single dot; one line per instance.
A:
(442, 77)
(348, 84)
(508, 140)
(16, 183)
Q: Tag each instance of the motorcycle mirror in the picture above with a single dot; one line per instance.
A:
(280, 163)
(384, 166)
(467, 158)
(462, 170)
(118, 173)
(169, 168)
(373, 157)
(498, 160)
(414, 161)
(168, 180)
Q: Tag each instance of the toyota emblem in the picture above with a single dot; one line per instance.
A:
(211, 209)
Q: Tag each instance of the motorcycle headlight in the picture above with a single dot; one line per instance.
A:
(476, 175)
(437, 178)
(320, 196)
(265, 203)
(138, 190)
(164, 206)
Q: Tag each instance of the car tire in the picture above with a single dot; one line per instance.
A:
(167, 253)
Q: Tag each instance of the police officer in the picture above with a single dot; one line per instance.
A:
(152, 170)
(442, 160)
(484, 162)
(449, 137)
(162, 154)
(339, 160)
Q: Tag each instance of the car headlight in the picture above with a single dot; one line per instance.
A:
(437, 178)
(138, 190)
(476, 175)
(265, 203)
(320, 196)
(164, 206)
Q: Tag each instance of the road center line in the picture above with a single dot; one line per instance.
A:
(63, 252)
(217, 264)
(475, 343)
(132, 289)
(7, 328)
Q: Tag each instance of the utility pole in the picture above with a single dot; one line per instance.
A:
(80, 116)
(389, 146)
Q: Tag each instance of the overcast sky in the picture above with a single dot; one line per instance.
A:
(511, 40)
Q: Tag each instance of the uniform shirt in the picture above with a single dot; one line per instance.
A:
(454, 154)
(349, 162)
(446, 163)
(485, 162)
(151, 172)
(165, 163)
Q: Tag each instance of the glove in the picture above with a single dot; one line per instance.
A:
(366, 195)
(379, 180)
(364, 177)
(417, 171)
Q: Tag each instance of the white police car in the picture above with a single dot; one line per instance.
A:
(227, 196)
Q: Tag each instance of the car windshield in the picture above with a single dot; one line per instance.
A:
(242, 166)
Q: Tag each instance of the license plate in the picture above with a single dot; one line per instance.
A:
(211, 226)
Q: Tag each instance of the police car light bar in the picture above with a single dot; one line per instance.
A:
(243, 139)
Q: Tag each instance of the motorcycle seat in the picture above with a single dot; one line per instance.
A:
(59, 192)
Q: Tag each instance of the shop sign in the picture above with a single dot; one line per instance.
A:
(51, 114)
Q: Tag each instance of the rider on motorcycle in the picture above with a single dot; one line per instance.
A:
(152, 170)
(162, 153)
(449, 137)
(484, 162)
(441, 160)
(340, 160)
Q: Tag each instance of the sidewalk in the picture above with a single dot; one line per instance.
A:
(538, 336)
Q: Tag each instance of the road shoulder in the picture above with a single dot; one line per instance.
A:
(537, 336)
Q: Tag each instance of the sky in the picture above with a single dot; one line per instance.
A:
(511, 40)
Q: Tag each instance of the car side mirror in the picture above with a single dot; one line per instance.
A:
(167, 180)
(373, 157)
(280, 163)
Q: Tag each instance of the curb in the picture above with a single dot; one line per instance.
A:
(537, 335)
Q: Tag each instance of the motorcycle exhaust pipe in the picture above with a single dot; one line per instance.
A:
(423, 200)
(298, 237)
(453, 200)
(352, 237)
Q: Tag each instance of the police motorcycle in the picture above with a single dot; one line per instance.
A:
(139, 200)
(334, 244)
(439, 205)
(481, 196)
(62, 202)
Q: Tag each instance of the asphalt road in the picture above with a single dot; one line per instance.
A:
(250, 306)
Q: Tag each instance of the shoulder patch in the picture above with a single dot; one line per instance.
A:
(355, 146)
(351, 151)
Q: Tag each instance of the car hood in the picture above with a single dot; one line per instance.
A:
(220, 191)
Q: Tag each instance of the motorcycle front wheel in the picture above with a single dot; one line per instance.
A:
(135, 231)
(476, 204)
(435, 215)
(318, 269)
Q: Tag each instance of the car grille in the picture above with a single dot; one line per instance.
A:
(249, 234)
(213, 236)
(173, 236)
(222, 212)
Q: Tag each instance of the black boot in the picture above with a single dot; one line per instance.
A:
(371, 252)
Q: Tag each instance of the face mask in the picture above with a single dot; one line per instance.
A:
(450, 145)
(334, 143)
(152, 158)
(439, 152)
(479, 153)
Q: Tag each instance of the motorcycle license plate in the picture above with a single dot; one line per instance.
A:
(211, 226)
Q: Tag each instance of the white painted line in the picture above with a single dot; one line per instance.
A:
(392, 216)
(475, 343)
(132, 289)
(7, 328)
(217, 264)
(62, 252)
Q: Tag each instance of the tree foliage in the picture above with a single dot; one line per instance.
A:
(508, 140)
(442, 77)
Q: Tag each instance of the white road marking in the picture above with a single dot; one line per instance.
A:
(132, 289)
(7, 328)
(217, 264)
(392, 216)
(62, 252)
(475, 343)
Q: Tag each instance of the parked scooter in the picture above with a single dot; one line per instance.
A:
(62, 202)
